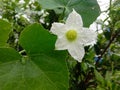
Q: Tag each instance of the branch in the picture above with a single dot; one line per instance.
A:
(110, 42)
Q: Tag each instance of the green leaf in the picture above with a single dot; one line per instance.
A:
(100, 88)
(117, 25)
(108, 76)
(99, 78)
(5, 29)
(42, 69)
(88, 9)
(35, 39)
(17, 76)
(8, 55)
(84, 66)
(50, 64)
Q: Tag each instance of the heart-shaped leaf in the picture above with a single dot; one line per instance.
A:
(88, 9)
(41, 69)
(39, 44)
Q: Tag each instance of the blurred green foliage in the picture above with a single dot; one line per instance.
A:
(100, 69)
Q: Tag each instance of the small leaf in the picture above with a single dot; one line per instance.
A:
(117, 25)
(5, 29)
(84, 66)
(108, 79)
(8, 55)
(99, 78)
(100, 88)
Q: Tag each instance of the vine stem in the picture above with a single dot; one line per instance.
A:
(110, 42)
(22, 51)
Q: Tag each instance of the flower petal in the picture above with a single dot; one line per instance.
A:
(74, 20)
(57, 28)
(61, 43)
(88, 37)
(77, 52)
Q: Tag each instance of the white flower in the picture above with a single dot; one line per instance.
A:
(73, 36)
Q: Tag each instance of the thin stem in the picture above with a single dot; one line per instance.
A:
(22, 51)
(110, 42)
(63, 14)
(110, 5)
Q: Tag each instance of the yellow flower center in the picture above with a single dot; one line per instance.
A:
(71, 35)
